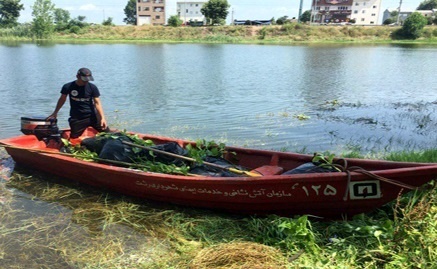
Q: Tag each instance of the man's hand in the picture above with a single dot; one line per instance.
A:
(103, 123)
(52, 117)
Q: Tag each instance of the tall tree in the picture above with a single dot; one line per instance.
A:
(306, 16)
(215, 11)
(108, 22)
(61, 18)
(427, 5)
(9, 12)
(413, 26)
(131, 12)
(174, 21)
(282, 20)
(43, 15)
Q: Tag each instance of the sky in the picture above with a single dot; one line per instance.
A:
(96, 11)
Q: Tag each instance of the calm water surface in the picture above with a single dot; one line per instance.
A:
(305, 98)
(312, 98)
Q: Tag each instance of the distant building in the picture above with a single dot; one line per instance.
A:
(252, 22)
(403, 15)
(151, 12)
(363, 12)
(190, 11)
(366, 12)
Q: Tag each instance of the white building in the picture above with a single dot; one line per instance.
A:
(366, 12)
(190, 11)
(363, 12)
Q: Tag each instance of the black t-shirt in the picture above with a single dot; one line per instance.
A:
(81, 99)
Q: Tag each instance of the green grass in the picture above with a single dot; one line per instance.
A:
(428, 156)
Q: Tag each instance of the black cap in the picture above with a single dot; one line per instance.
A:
(85, 74)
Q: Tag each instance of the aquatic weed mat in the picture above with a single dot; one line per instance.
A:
(47, 225)
(239, 255)
(7, 165)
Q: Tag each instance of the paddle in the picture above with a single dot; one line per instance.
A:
(230, 169)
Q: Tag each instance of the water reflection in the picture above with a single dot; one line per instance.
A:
(240, 94)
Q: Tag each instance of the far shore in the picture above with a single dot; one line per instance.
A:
(284, 34)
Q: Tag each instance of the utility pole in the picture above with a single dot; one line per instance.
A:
(300, 11)
(399, 12)
(313, 17)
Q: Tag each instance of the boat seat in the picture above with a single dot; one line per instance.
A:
(268, 170)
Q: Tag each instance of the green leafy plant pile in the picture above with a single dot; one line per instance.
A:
(197, 151)
(325, 161)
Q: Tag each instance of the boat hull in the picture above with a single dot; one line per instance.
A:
(330, 195)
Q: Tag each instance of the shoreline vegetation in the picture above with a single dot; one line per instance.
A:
(285, 34)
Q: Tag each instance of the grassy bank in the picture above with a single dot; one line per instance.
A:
(290, 33)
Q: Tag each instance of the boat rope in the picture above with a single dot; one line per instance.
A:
(349, 170)
(346, 192)
(384, 179)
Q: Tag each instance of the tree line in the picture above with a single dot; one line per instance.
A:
(48, 19)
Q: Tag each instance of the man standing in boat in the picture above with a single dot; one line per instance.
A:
(85, 105)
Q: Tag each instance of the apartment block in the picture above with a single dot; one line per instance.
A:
(190, 11)
(363, 12)
(151, 12)
(366, 12)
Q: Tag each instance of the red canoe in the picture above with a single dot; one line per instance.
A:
(321, 194)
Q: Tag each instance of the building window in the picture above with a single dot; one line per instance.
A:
(373, 14)
(362, 19)
(157, 17)
(355, 11)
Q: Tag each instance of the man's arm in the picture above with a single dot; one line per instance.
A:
(99, 109)
(59, 105)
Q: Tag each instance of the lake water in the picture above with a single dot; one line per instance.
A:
(303, 97)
